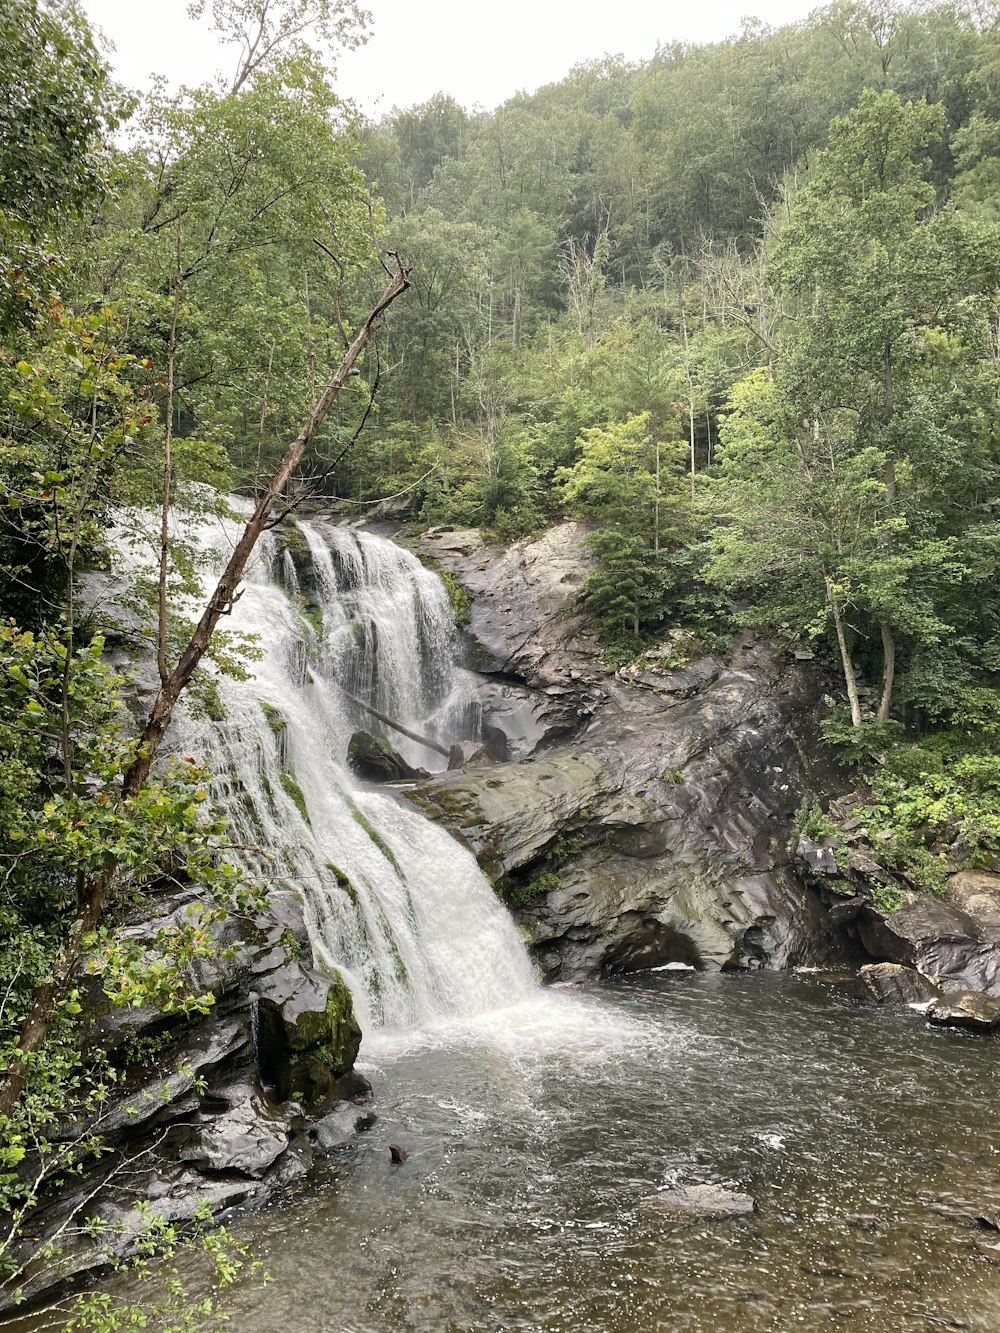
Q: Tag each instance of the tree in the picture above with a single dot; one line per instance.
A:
(105, 859)
(266, 31)
(57, 108)
(630, 482)
(882, 287)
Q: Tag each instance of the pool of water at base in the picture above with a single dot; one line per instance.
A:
(867, 1139)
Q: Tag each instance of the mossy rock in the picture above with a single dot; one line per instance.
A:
(275, 718)
(307, 1034)
(293, 790)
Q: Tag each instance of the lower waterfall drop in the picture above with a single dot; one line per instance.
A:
(390, 900)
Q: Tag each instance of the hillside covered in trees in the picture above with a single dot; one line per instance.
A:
(736, 308)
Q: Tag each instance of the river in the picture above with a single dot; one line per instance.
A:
(533, 1134)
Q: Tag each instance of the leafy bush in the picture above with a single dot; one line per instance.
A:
(927, 823)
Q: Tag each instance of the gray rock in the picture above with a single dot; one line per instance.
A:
(247, 1137)
(165, 1094)
(891, 983)
(819, 857)
(947, 944)
(678, 680)
(696, 1203)
(526, 623)
(340, 1127)
(376, 761)
(977, 894)
(969, 1009)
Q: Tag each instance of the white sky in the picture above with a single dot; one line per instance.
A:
(479, 53)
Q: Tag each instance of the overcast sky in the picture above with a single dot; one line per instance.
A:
(479, 53)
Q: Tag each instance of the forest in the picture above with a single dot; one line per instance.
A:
(735, 308)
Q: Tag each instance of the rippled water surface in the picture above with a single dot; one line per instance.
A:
(868, 1140)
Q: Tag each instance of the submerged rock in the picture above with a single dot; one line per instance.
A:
(696, 1203)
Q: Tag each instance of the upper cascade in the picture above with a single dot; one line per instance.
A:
(391, 901)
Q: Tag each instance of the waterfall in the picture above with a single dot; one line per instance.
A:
(390, 900)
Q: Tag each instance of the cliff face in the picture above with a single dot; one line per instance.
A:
(647, 817)
(642, 818)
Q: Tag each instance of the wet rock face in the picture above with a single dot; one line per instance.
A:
(542, 665)
(374, 760)
(307, 1036)
(645, 818)
(223, 1112)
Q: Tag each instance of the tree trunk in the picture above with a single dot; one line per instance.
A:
(850, 680)
(888, 671)
(36, 1025)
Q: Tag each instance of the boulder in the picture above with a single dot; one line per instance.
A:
(968, 1009)
(307, 1036)
(374, 760)
(696, 1203)
(891, 983)
(340, 1126)
(939, 938)
(977, 894)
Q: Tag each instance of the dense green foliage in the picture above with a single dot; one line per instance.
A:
(727, 241)
(736, 309)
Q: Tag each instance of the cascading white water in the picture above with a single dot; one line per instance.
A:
(390, 900)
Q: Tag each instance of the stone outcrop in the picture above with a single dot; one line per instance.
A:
(954, 949)
(648, 818)
(233, 1105)
(542, 663)
(932, 949)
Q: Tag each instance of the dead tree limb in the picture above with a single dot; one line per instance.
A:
(398, 726)
(95, 902)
